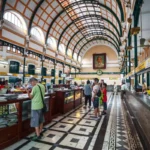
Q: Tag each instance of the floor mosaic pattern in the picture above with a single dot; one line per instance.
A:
(77, 130)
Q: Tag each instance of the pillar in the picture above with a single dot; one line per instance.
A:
(75, 72)
(148, 79)
(54, 71)
(139, 79)
(25, 55)
(63, 73)
(135, 59)
(42, 70)
(24, 63)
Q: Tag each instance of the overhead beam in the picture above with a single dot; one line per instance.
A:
(2, 9)
(33, 15)
(49, 29)
(116, 46)
(91, 41)
(79, 18)
(121, 9)
(100, 4)
(119, 42)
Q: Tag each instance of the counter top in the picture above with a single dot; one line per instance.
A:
(67, 90)
(14, 98)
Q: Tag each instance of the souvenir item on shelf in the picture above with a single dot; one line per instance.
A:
(12, 108)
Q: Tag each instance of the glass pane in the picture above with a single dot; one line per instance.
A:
(14, 50)
(8, 48)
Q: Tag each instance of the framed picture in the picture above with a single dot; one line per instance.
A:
(99, 61)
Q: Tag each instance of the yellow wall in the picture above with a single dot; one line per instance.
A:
(111, 65)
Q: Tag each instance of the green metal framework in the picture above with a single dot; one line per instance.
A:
(94, 40)
(118, 40)
(83, 17)
(115, 45)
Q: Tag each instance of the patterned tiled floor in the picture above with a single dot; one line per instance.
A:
(117, 135)
(76, 130)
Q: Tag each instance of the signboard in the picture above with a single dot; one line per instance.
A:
(113, 78)
(3, 74)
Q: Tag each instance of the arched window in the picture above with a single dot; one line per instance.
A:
(38, 33)
(52, 42)
(79, 58)
(31, 69)
(75, 56)
(62, 48)
(16, 19)
(69, 53)
(14, 67)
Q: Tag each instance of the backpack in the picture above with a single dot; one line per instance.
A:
(99, 93)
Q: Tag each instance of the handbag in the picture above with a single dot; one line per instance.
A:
(44, 109)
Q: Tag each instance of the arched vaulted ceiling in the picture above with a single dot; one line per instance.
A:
(74, 23)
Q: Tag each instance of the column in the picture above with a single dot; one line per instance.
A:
(25, 55)
(43, 59)
(75, 72)
(54, 71)
(148, 79)
(135, 59)
(24, 63)
(142, 78)
(63, 73)
(139, 79)
(42, 69)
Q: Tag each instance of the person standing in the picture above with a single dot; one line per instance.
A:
(104, 99)
(87, 93)
(37, 116)
(102, 83)
(95, 98)
(115, 88)
(123, 89)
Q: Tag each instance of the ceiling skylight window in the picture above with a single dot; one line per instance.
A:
(85, 14)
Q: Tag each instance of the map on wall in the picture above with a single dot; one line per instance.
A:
(99, 61)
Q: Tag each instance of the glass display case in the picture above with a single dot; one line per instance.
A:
(77, 95)
(69, 97)
(26, 108)
(8, 115)
(15, 116)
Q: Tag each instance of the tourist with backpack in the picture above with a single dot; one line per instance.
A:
(95, 98)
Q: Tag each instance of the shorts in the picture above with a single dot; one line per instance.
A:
(96, 102)
(105, 105)
(37, 117)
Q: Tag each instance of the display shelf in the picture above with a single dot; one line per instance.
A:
(77, 97)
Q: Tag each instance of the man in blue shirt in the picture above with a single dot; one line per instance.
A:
(87, 93)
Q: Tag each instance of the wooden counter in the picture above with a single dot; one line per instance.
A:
(58, 102)
(68, 99)
(10, 134)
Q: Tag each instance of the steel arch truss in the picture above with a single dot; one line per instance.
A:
(94, 25)
(90, 7)
(94, 39)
